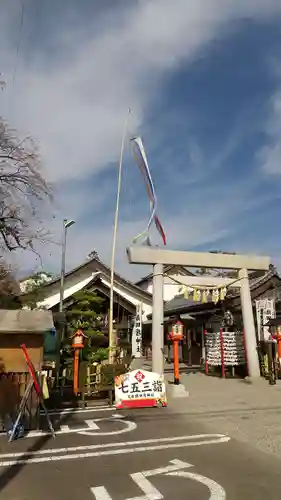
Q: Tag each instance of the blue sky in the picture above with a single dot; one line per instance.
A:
(203, 80)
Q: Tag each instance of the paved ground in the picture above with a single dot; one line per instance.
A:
(163, 454)
(248, 412)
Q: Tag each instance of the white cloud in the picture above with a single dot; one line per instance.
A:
(270, 155)
(205, 217)
(75, 100)
(76, 106)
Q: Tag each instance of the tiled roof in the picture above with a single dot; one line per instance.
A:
(96, 265)
(167, 268)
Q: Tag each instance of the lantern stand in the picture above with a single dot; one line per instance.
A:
(77, 344)
(277, 337)
(274, 348)
(176, 335)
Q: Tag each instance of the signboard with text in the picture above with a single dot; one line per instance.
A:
(265, 310)
(137, 333)
(139, 389)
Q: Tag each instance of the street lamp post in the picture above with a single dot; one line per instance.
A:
(66, 224)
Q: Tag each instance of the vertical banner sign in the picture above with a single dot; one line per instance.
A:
(268, 313)
(137, 333)
(265, 310)
(258, 315)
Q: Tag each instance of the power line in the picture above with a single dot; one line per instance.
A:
(19, 42)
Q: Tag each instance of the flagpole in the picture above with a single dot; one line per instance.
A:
(111, 334)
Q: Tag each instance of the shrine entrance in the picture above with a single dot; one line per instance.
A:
(193, 347)
(242, 263)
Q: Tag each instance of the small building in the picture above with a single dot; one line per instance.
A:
(94, 276)
(263, 285)
(19, 327)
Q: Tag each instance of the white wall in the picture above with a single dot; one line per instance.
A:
(75, 284)
(171, 289)
(147, 308)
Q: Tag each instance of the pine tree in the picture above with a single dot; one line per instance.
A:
(86, 313)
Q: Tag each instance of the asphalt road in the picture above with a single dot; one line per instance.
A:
(146, 454)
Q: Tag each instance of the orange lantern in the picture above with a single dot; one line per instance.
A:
(77, 343)
(78, 339)
(176, 335)
(177, 331)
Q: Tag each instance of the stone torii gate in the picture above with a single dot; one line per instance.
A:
(159, 257)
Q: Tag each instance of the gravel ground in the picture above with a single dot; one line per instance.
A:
(247, 412)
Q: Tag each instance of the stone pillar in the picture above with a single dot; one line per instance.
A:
(249, 325)
(157, 320)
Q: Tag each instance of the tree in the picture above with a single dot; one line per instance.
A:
(10, 294)
(32, 288)
(22, 191)
(86, 313)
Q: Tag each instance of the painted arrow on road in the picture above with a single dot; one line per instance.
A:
(151, 493)
(216, 490)
(91, 428)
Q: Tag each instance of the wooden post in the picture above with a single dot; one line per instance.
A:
(77, 344)
(76, 371)
(176, 362)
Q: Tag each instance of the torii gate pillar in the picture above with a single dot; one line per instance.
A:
(158, 257)
(249, 325)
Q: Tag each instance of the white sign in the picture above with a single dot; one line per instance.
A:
(230, 343)
(139, 388)
(151, 493)
(265, 310)
(137, 333)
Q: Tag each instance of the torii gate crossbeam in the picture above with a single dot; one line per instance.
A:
(159, 257)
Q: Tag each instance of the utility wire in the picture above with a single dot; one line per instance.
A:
(19, 42)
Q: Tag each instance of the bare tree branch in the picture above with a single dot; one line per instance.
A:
(23, 190)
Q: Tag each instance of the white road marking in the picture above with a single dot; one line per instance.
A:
(151, 493)
(216, 490)
(88, 409)
(129, 426)
(101, 493)
(115, 445)
(64, 428)
(26, 458)
(176, 465)
(90, 429)
(92, 424)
